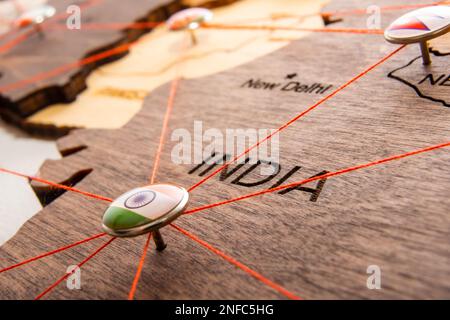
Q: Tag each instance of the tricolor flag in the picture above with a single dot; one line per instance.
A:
(142, 206)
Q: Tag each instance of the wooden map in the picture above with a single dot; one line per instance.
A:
(362, 113)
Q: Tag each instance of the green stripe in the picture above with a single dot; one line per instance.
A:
(117, 218)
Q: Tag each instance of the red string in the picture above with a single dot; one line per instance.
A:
(112, 26)
(300, 115)
(52, 252)
(272, 28)
(139, 269)
(151, 25)
(238, 264)
(14, 42)
(56, 185)
(70, 273)
(170, 103)
(61, 69)
(324, 176)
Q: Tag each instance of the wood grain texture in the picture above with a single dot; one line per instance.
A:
(395, 215)
(59, 47)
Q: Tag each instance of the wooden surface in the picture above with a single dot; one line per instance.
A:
(38, 55)
(119, 88)
(395, 215)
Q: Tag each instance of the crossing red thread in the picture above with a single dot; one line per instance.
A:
(238, 264)
(273, 28)
(139, 269)
(52, 252)
(300, 115)
(56, 185)
(324, 176)
(50, 288)
(170, 103)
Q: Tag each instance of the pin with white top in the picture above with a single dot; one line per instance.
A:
(144, 210)
(190, 20)
(420, 26)
(35, 17)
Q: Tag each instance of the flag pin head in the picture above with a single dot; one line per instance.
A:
(190, 20)
(143, 210)
(420, 26)
(35, 17)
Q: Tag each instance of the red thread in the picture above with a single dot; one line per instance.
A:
(14, 42)
(113, 26)
(324, 176)
(238, 264)
(52, 252)
(70, 273)
(272, 28)
(56, 185)
(170, 103)
(61, 69)
(139, 269)
(151, 25)
(287, 124)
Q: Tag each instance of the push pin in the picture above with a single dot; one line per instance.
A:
(35, 17)
(190, 20)
(420, 26)
(144, 210)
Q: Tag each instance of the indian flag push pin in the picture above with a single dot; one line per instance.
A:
(420, 26)
(35, 17)
(190, 20)
(144, 210)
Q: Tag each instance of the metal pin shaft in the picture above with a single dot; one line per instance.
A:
(159, 241)
(193, 37)
(425, 53)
